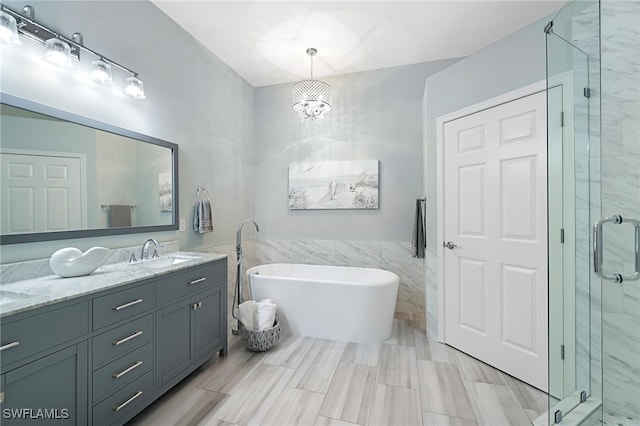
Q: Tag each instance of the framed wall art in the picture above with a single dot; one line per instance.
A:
(334, 185)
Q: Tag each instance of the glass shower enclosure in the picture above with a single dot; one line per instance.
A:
(593, 116)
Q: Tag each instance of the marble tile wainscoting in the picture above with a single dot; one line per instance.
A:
(391, 256)
(248, 250)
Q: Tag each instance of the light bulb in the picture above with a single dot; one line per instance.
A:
(134, 88)
(8, 29)
(58, 53)
(101, 72)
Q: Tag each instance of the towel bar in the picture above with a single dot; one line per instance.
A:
(105, 206)
(198, 194)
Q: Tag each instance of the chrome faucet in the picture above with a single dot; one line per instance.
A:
(239, 236)
(145, 249)
(237, 294)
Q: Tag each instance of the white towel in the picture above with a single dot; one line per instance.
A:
(266, 314)
(248, 314)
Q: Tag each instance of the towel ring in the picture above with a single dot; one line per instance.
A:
(199, 197)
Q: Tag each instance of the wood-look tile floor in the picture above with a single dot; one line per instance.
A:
(406, 380)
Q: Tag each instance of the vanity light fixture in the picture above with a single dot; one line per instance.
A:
(101, 72)
(8, 29)
(61, 50)
(58, 53)
(311, 98)
(134, 88)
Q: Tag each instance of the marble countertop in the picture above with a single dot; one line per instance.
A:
(34, 293)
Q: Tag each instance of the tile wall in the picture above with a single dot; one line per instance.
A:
(391, 256)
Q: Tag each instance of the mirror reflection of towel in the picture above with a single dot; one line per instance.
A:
(120, 215)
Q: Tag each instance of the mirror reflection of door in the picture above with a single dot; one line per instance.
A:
(45, 194)
(42, 191)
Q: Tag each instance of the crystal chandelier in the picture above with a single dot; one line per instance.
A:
(311, 98)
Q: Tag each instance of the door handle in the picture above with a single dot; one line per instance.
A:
(450, 245)
(598, 249)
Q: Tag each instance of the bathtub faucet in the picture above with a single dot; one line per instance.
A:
(237, 296)
(239, 236)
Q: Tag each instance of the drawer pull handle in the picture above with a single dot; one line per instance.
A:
(126, 339)
(127, 402)
(127, 305)
(123, 372)
(199, 280)
(9, 346)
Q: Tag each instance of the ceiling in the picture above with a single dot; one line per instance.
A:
(265, 41)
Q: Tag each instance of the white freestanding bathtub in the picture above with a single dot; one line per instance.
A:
(329, 302)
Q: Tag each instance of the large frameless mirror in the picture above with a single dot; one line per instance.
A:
(66, 176)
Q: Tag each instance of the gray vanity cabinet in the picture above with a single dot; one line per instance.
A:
(50, 390)
(44, 365)
(193, 301)
(102, 358)
(210, 323)
(173, 341)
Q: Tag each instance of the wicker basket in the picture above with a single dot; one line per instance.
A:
(261, 340)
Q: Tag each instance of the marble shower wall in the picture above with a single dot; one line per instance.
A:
(612, 173)
(588, 288)
(620, 117)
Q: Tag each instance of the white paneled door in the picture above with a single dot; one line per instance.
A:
(42, 193)
(496, 232)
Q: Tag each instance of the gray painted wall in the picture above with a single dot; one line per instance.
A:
(193, 99)
(511, 63)
(376, 116)
(507, 65)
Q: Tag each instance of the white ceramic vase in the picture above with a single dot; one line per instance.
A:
(71, 262)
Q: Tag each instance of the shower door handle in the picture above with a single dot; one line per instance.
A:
(598, 249)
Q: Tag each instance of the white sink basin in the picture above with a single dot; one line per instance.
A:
(7, 297)
(163, 262)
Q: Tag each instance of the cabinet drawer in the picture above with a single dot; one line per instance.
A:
(122, 371)
(191, 281)
(126, 402)
(114, 307)
(28, 336)
(117, 342)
